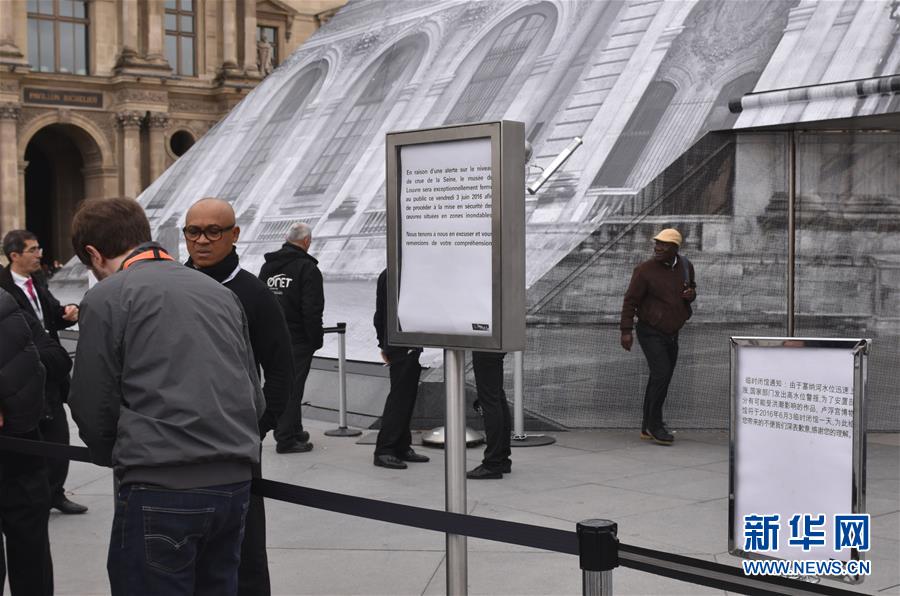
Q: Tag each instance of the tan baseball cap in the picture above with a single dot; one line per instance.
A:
(669, 235)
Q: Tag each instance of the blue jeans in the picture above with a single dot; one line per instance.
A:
(177, 542)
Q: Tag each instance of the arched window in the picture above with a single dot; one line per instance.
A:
(637, 133)
(500, 61)
(393, 71)
(57, 36)
(257, 155)
(720, 117)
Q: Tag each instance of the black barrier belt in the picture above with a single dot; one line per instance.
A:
(45, 449)
(561, 541)
(679, 567)
(716, 575)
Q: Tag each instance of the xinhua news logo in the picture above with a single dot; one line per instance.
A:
(849, 531)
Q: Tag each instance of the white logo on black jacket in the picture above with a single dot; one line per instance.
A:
(279, 282)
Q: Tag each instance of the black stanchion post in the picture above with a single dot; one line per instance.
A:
(342, 430)
(598, 555)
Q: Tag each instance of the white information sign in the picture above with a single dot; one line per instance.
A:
(793, 433)
(445, 234)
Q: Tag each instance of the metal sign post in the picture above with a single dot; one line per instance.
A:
(455, 466)
(456, 266)
(519, 438)
(342, 430)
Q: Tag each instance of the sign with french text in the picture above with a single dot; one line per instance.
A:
(456, 236)
(62, 97)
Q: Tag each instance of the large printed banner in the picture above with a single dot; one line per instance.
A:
(445, 238)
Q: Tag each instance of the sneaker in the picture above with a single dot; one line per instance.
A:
(389, 461)
(506, 468)
(483, 473)
(661, 437)
(294, 447)
(645, 435)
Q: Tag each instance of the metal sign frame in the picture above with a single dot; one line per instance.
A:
(860, 348)
(507, 234)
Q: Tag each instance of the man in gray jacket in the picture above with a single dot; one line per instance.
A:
(165, 391)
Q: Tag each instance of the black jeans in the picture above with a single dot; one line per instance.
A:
(253, 572)
(661, 351)
(24, 514)
(290, 425)
(56, 430)
(177, 542)
(394, 437)
(494, 408)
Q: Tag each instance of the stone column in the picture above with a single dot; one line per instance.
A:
(130, 153)
(229, 36)
(250, 37)
(130, 33)
(157, 123)
(9, 51)
(156, 34)
(12, 203)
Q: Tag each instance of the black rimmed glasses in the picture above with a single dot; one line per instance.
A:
(212, 233)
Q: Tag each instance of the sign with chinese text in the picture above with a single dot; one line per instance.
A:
(797, 437)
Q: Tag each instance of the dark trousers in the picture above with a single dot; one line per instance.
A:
(177, 542)
(253, 572)
(24, 514)
(661, 352)
(56, 430)
(494, 408)
(394, 437)
(290, 425)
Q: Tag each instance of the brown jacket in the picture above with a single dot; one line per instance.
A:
(654, 295)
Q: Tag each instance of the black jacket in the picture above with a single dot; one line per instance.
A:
(56, 390)
(380, 322)
(269, 335)
(294, 277)
(28, 355)
(53, 310)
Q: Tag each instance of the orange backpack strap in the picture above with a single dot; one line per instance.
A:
(151, 254)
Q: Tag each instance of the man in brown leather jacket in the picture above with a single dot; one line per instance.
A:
(660, 295)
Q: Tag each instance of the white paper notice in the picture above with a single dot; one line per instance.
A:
(794, 440)
(445, 238)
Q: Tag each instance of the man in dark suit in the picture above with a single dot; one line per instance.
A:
(23, 279)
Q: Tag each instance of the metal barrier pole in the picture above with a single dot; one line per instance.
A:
(342, 430)
(598, 555)
(519, 438)
(455, 467)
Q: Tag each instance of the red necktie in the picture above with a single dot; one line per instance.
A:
(29, 285)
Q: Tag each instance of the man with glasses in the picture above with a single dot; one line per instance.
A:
(23, 279)
(293, 275)
(210, 234)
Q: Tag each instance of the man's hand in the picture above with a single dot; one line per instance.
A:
(1, 418)
(385, 358)
(689, 294)
(627, 340)
(70, 313)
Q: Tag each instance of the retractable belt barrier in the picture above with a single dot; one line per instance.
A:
(679, 567)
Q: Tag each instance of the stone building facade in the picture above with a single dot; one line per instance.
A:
(99, 97)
